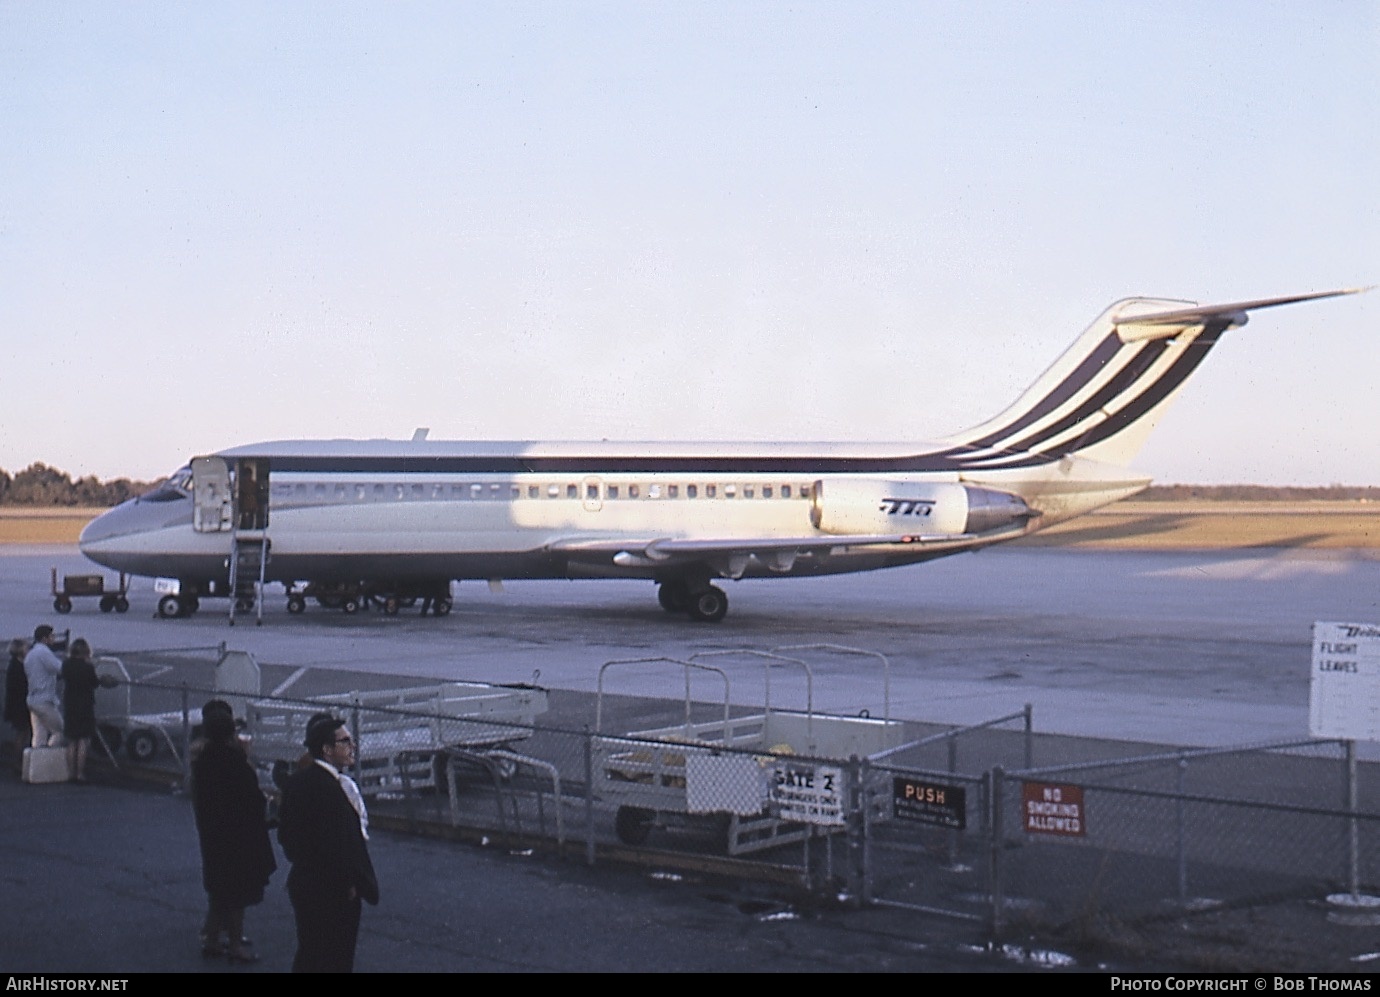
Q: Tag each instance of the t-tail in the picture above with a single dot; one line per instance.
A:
(1066, 444)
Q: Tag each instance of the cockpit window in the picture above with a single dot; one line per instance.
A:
(177, 486)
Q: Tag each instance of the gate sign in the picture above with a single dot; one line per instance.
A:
(1344, 694)
(1048, 808)
(929, 802)
(808, 794)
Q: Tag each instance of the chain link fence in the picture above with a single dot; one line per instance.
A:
(991, 823)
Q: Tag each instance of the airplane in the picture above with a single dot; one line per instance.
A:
(350, 522)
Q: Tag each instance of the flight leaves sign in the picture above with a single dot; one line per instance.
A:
(1344, 693)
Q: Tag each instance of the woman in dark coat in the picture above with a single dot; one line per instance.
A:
(17, 694)
(236, 854)
(79, 684)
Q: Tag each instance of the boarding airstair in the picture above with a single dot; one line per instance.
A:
(236, 502)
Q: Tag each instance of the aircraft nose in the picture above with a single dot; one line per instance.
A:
(128, 519)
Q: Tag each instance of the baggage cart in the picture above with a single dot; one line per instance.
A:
(762, 779)
(143, 736)
(402, 734)
(89, 586)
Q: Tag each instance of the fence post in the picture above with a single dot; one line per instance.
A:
(857, 862)
(994, 780)
(354, 732)
(589, 797)
(1180, 845)
(952, 740)
(866, 800)
(1029, 737)
(186, 739)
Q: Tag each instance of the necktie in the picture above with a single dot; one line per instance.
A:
(356, 799)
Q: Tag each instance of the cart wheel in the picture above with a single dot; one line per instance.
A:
(113, 736)
(169, 607)
(351, 606)
(441, 607)
(142, 745)
(107, 603)
(244, 605)
(62, 604)
(121, 604)
(633, 824)
(390, 605)
(296, 604)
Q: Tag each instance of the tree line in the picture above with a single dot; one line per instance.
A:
(41, 485)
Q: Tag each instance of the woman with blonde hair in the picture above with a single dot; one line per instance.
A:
(79, 684)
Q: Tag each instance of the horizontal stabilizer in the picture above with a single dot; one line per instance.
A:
(1155, 325)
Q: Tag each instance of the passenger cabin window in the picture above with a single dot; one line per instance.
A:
(730, 491)
(673, 491)
(634, 491)
(748, 491)
(710, 490)
(692, 491)
(572, 491)
(612, 491)
(592, 491)
(654, 491)
(533, 491)
(766, 491)
(476, 491)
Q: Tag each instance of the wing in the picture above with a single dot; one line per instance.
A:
(732, 555)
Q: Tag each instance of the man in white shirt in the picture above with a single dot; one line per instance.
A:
(323, 828)
(42, 668)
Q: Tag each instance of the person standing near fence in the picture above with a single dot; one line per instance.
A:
(79, 684)
(236, 853)
(42, 668)
(16, 697)
(323, 829)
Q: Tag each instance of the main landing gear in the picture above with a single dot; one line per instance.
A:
(177, 606)
(703, 603)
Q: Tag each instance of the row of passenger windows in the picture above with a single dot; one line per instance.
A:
(590, 491)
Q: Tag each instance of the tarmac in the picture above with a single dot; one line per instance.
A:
(105, 878)
(1191, 648)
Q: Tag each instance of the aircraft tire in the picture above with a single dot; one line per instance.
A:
(107, 603)
(62, 604)
(121, 604)
(674, 596)
(296, 604)
(708, 606)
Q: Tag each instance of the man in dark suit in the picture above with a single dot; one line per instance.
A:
(323, 828)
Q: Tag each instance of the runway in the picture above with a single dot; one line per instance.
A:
(1192, 648)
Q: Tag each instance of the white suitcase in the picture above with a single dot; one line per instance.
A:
(45, 765)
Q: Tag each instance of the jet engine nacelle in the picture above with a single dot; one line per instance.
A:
(873, 507)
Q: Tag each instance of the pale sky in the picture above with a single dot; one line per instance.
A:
(222, 223)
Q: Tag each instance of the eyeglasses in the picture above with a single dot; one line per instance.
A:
(347, 739)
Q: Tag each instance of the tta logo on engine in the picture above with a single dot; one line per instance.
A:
(906, 507)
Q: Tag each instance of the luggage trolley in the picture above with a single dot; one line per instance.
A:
(145, 735)
(756, 792)
(89, 586)
(403, 733)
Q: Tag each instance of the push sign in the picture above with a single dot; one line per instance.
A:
(929, 802)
